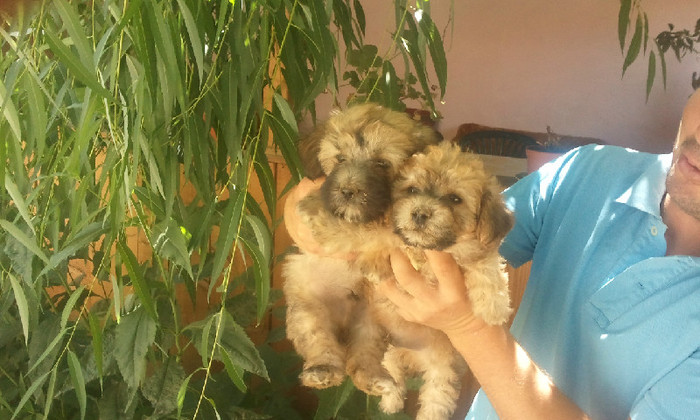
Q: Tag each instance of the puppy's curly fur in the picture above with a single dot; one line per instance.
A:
(443, 199)
(359, 151)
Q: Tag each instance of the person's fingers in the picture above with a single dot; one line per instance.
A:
(391, 291)
(448, 273)
(299, 232)
(406, 276)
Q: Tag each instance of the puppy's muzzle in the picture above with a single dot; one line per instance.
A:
(420, 217)
(358, 192)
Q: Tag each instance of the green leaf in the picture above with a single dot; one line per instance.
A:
(234, 372)
(154, 203)
(360, 16)
(331, 400)
(651, 72)
(261, 252)
(50, 393)
(117, 298)
(635, 45)
(76, 374)
(662, 58)
(411, 48)
(286, 112)
(391, 84)
(9, 111)
(195, 40)
(48, 350)
(436, 49)
(182, 392)
(285, 139)
(25, 240)
(165, 47)
(141, 287)
(38, 114)
(96, 334)
(22, 305)
(30, 391)
(135, 334)
(267, 182)
(228, 232)
(234, 341)
(170, 242)
(623, 21)
(203, 346)
(162, 387)
(231, 340)
(645, 33)
(74, 296)
(75, 29)
(81, 240)
(75, 65)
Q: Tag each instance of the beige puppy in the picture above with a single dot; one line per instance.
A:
(360, 151)
(443, 199)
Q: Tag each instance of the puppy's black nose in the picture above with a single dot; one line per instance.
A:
(420, 216)
(348, 193)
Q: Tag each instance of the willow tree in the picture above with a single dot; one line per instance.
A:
(135, 140)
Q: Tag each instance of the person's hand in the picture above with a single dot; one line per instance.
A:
(445, 307)
(300, 233)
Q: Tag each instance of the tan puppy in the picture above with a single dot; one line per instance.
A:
(444, 200)
(360, 151)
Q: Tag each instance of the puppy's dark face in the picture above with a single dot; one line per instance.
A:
(443, 197)
(360, 151)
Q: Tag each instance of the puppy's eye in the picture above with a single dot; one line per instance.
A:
(412, 190)
(453, 198)
(340, 158)
(382, 163)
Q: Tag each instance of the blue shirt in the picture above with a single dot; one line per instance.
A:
(614, 322)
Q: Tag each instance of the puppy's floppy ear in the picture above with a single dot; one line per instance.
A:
(308, 152)
(494, 220)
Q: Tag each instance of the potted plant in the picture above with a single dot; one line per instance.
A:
(547, 148)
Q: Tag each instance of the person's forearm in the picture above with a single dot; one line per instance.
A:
(516, 387)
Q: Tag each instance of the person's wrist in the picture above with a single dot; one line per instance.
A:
(465, 327)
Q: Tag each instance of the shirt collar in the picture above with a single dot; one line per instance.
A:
(646, 192)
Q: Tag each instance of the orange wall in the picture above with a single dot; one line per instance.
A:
(529, 64)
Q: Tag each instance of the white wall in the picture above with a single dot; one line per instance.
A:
(529, 64)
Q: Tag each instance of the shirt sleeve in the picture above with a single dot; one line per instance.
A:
(675, 396)
(529, 199)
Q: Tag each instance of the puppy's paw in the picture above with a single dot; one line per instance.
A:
(322, 376)
(392, 402)
(374, 383)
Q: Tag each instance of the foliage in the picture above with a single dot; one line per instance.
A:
(374, 77)
(682, 42)
(135, 140)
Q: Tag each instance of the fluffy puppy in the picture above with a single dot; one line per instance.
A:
(359, 151)
(444, 200)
